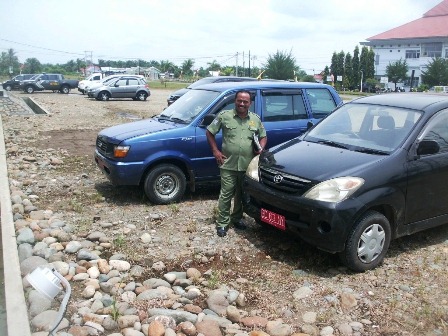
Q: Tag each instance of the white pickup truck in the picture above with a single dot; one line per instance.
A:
(93, 78)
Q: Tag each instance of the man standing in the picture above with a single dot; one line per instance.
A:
(238, 129)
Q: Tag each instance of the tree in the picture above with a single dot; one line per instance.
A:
(436, 72)
(281, 65)
(307, 78)
(370, 64)
(32, 65)
(337, 67)
(9, 61)
(214, 66)
(348, 72)
(356, 76)
(397, 71)
(166, 66)
(186, 67)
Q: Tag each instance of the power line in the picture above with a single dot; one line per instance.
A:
(29, 45)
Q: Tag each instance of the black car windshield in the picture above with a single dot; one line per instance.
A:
(188, 106)
(367, 128)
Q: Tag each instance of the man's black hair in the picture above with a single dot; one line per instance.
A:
(245, 91)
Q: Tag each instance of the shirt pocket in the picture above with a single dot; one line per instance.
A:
(231, 129)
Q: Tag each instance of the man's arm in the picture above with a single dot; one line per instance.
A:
(216, 152)
(263, 141)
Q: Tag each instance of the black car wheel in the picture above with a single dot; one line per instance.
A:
(8, 87)
(367, 243)
(65, 89)
(141, 96)
(104, 96)
(165, 184)
(29, 89)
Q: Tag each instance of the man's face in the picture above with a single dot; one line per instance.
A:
(242, 103)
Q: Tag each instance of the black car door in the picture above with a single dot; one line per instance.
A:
(427, 196)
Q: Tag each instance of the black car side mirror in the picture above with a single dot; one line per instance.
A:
(208, 119)
(426, 147)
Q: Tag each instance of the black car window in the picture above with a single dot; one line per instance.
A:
(283, 106)
(321, 101)
(437, 130)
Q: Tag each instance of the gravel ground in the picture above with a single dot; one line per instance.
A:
(51, 157)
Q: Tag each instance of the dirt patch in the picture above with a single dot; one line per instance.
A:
(75, 142)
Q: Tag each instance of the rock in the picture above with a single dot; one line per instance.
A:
(120, 265)
(127, 321)
(187, 328)
(302, 293)
(217, 302)
(348, 301)
(29, 264)
(254, 321)
(38, 303)
(326, 331)
(278, 328)
(208, 328)
(309, 317)
(178, 315)
(45, 320)
(233, 314)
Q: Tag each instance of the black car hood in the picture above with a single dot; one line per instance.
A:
(179, 92)
(318, 162)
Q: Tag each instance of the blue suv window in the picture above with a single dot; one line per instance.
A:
(321, 101)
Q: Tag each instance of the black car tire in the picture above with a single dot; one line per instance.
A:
(142, 95)
(29, 89)
(65, 89)
(367, 243)
(104, 96)
(165, 184)
(8, 87)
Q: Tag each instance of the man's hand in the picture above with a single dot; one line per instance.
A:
(220, 157)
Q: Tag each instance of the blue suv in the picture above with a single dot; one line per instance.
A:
(168, 152)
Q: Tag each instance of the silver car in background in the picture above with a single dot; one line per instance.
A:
(134, 87)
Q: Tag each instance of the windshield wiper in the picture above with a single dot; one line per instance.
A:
(332, 143)
(371, 151)
(178, 120)
(163, 117)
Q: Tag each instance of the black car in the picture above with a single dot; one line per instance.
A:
(207, 80)
(13, 83)
(372, 171)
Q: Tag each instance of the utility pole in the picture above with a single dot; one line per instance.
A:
(249, 63)
(244, 65)
(362, 74)
(236, 66)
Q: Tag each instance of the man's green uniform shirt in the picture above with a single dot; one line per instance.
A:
(237, 137)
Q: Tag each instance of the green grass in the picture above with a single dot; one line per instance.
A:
(167, 85)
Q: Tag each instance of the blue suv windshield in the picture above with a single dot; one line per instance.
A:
(190, 105)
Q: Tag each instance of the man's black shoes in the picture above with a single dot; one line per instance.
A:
(240, 225)
(221, 231)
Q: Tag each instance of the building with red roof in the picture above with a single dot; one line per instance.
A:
(417, 42)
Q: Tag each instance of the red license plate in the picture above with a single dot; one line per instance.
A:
(273, 219)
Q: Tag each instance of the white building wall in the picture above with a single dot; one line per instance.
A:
(390, 51)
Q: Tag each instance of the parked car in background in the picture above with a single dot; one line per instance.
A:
(207, 80)
(13, 83)
(122, 87)
(92, 85)
(93, 78)
(370, 172)
(44, 81)
(169, 152)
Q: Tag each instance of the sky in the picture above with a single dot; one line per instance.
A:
(230, 32)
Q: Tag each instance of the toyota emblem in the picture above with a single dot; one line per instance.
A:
(278, 178)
